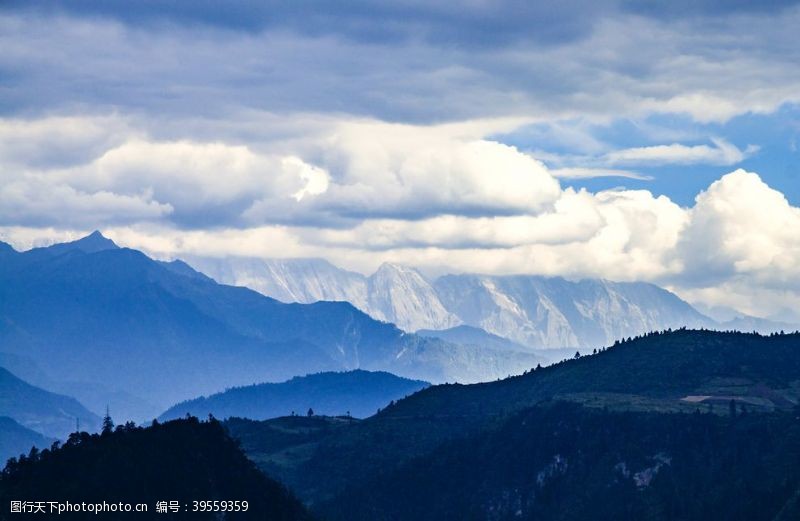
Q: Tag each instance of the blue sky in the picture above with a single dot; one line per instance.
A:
(776, 136)
(624, 139)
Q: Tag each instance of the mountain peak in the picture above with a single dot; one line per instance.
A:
(97, 240)
(92, 243)
(391, 267)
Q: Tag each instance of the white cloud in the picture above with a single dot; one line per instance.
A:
(621, 65)
(574, 219)
(59, 140)
(590, 172)
(33, 200)
(740, 227)
(316, 179)
(359, 169)
(362, 192)
(416, 171)
(722, 153)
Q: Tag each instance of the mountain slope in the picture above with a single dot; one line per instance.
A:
(359, 393)
(51, 414)
(16, 439)
(184, 461)
(166, 333)
(541, 465)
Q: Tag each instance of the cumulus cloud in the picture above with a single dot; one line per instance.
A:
(740, 227)
(401, 170)
(360, 170)
(574, 218)
(59, 141)
(737, 246)
(33, 200)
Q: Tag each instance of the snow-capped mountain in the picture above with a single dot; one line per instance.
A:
(554, 312)
(396, 294)
(401, 295)
(538, 312)
(288, 280)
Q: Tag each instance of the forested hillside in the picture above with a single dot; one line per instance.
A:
(183, 460)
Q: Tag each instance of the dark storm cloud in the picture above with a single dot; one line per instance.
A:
(475, 23)
(471, 23)
(689, 8)
(417, 62)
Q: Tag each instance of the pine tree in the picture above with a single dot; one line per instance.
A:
(108, 423)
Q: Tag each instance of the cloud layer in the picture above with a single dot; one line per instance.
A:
(438, 197)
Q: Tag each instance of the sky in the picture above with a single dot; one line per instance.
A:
(621, 139)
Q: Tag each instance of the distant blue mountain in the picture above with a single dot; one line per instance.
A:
(360, 393)
(16, 439)
(469, 335)
(48, 413)
(89, 311)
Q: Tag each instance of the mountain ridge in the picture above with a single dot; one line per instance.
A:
(530, 310)
(356, 393)
(130, 323)
(48, 413)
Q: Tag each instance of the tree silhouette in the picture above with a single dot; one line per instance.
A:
(108, 423)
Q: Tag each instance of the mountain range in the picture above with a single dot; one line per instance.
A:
(104, 317)
(533, 311)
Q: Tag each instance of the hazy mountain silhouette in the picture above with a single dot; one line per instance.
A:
(90, 312)
(359, 393)
(16, 439)
(51, 414)
(469, 335)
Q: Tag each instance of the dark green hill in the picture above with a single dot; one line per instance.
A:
(658, 370)
(182, 460)
(359, 393)
(51, 414)
(561, 461)
(666, 372)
